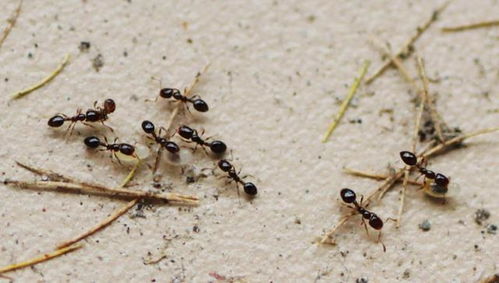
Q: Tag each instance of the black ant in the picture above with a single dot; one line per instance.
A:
(249, 188)
(217, 147)
(198, 104)
(439, 189)
(149, 128)
(348, 196)
(92, 115)
(123, 148)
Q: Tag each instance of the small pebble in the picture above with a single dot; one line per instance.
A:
(425, 225)
(481, 215)
(492, 229)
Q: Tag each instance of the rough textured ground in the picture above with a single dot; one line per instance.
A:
(278, 70)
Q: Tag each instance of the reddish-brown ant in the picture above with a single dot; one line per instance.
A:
(123, 148)
(217, 147)
(441, 182)
(249, 188)
(149, 128)
(92, 115)
(348, 196)
(198, 104)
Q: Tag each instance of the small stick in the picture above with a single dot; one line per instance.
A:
(402, 198)
(359, 173)
(457, 140)
(120, 192)
(328, 235)
(130, 175)
(346, 102)
(11, 22)
(39, 259)
(410, 42)
(43, 82)
(429, 100)
(471, 26)
(117, 213)
(53, 176)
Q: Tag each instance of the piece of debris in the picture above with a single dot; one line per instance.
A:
(84, 46)
(492, 229)
(425, 225)
(98, 62)
(481, 215)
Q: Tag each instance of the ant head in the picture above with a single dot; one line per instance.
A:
(200, 105)
(375, 222)
(126, 149)
(441, 180)
(92, 116)
(224, 165)
(218, 147)
(92, 141)
(168, 92)
(148, 127)
(409, 158)
(109, 105)
(56, 121)
(348, 196)
(185, 132)
(250, 188)
(170, 146)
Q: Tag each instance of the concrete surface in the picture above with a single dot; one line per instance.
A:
(278, 71)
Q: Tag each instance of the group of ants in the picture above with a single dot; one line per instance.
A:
(188, 134)
(435, 184)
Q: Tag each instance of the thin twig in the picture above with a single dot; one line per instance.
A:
(43, 82)
(346, 102)
(457, 140)
(130, 175)
(369, 175)
(11, 22)
(471, 26)
(117, 213)
(429, 100)
(39, 259)
(328, 235)
(114, 192)
(402, 198)
(407, 46)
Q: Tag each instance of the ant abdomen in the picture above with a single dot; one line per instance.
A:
(200, 105)
(375, 222)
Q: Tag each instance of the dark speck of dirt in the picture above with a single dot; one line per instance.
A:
(195, 229)
(481, 215)
(84, 46)
(190, 179)
(361, 280)
(30, 55)
(407, 274)
(425, 225)
(189, 40)
(492, 229)
(98, 62)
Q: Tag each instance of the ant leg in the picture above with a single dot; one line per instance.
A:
(107, 126)
(70, 129)
(365, 226)
(381, 242)
(117, 158)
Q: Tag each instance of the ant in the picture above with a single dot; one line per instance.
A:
(217, 147)
(149, 128)
(123, 148)
(249, 188)
(439, 188)
(198, 104)
(99, 114)
(348, 196)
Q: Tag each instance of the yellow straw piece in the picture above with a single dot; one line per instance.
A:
(39, 259)
(346, 102)
(43, 82)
